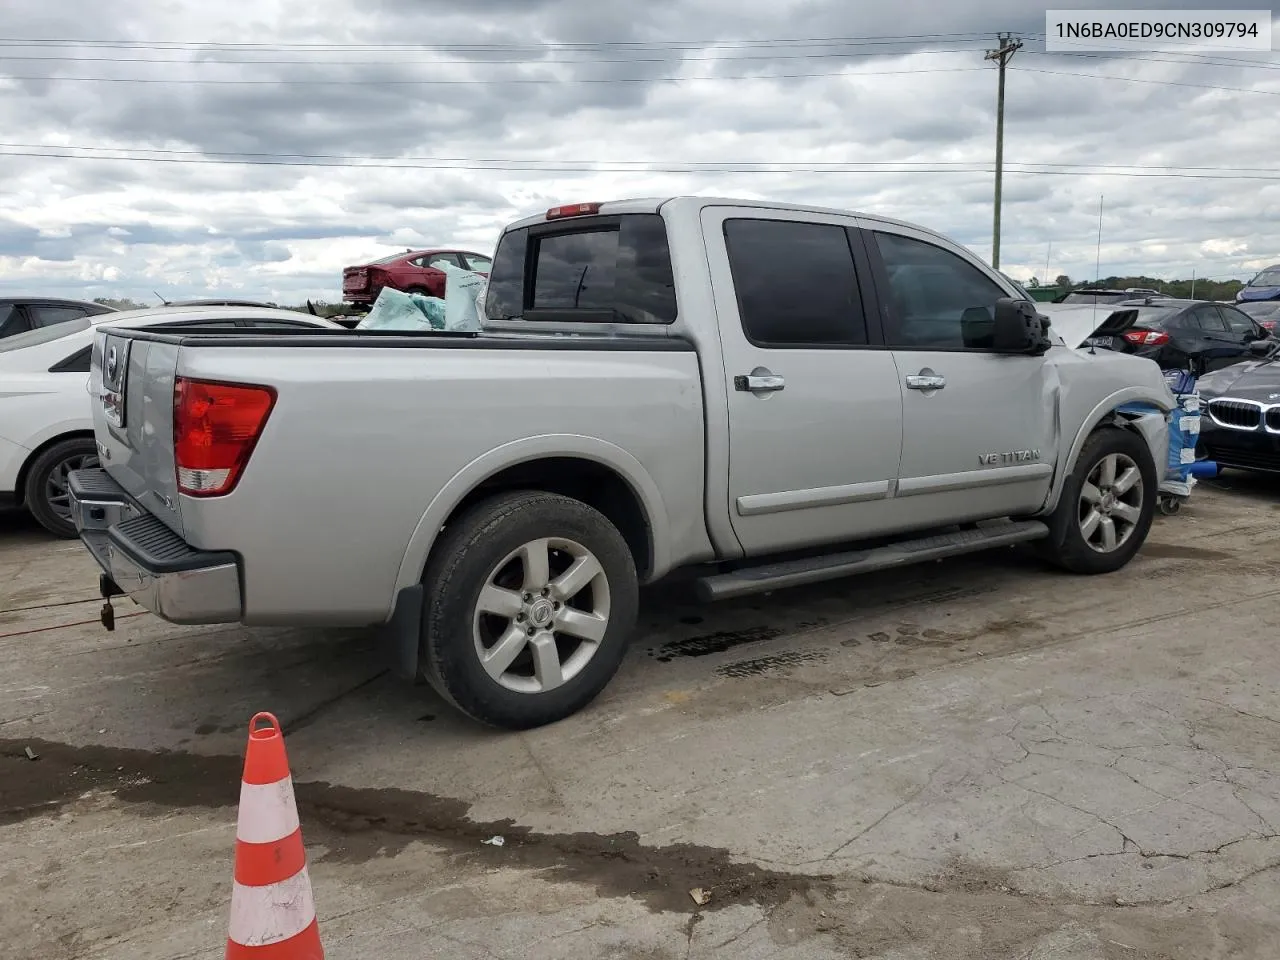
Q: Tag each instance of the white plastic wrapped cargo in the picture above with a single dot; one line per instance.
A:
(461, 290)
(394, 310)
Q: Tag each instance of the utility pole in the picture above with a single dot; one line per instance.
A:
(1008, 47)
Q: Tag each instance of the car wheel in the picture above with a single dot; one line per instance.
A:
(47, 495)
(531, 598)
(1107, 505)
(421, 291)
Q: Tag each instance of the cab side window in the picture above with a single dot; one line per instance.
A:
(937, 300)
(797, 284)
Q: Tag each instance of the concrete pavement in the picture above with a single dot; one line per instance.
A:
(978, 759)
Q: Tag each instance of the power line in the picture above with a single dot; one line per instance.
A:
(522, 166)
(486, 62)
(485, 82)
(1160, 83)
(1232, 64)
(520, 81)
(557, 45)
(836, 165)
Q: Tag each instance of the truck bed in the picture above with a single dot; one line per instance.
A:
(371, 430)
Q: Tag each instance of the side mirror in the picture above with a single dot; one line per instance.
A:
(1018, 328)
(1260, 348)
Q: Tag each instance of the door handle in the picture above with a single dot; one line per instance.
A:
(759, 383)
(925, 382)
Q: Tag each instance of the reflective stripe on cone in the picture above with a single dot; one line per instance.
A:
(278, 911)
(268, 811)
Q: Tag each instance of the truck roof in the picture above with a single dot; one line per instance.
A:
(655, 204)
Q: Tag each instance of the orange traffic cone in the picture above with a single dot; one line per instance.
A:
(273, 915)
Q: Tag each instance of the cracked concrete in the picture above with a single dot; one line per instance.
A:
(976, 761)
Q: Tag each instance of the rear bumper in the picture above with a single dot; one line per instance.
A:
(146, 560)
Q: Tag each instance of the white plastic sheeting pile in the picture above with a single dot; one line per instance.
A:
(458, 310)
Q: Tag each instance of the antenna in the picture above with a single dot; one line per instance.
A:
(161, 299)
(1097, 267)
(1046, 263)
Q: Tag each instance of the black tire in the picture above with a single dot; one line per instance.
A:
(45, 488)
(423, 291)
(1066, 546)
(471, 551)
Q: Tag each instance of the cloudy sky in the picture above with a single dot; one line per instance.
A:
(256, 148)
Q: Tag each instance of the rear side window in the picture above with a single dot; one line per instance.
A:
(77, 362)
(1209, 320)
(12, 320)
(49, 316)
(796, 283)
(611, 269)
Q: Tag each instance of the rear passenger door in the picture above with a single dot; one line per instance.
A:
(978, 428)
(814, 409)
(1216, 345)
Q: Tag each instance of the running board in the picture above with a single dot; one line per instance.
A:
(795, 573)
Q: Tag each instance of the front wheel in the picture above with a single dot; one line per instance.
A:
(1107, 505)
(531, 598)
(47, 495)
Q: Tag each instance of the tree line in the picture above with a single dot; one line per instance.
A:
(1198, 289)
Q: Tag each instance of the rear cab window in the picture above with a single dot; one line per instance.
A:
(600, 269)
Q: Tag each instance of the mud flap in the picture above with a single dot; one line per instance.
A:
(402, 634)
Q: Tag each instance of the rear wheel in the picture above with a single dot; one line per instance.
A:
(1107, 505)
(531, 598)
(47, 495)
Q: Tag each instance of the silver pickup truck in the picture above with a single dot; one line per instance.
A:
(769, 394)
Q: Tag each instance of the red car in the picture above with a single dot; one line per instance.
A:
(414, 271)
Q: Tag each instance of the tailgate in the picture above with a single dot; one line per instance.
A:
(131, 388)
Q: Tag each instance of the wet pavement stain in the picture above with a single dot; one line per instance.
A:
(1169, 551)
(777, 661)
(706, 644)
(357, 825)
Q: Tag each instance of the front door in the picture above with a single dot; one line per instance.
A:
(814, 409)
(979, 428)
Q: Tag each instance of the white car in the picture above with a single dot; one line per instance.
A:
(46, 423)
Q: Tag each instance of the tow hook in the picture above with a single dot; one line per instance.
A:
(108, 588)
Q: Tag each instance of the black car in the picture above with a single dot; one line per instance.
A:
(1196, 335)
(21, 314)
(1241, 422)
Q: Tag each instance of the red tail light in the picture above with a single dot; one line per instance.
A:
(215, 427)
(1146, 338)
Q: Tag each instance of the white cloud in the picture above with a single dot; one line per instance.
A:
(103, 227)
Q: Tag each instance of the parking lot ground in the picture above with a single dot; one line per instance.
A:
(973, 760)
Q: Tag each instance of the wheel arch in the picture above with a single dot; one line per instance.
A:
(599, 473)
(20, 484)
(1150, 425)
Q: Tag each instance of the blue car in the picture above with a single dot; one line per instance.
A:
(1265, 286)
